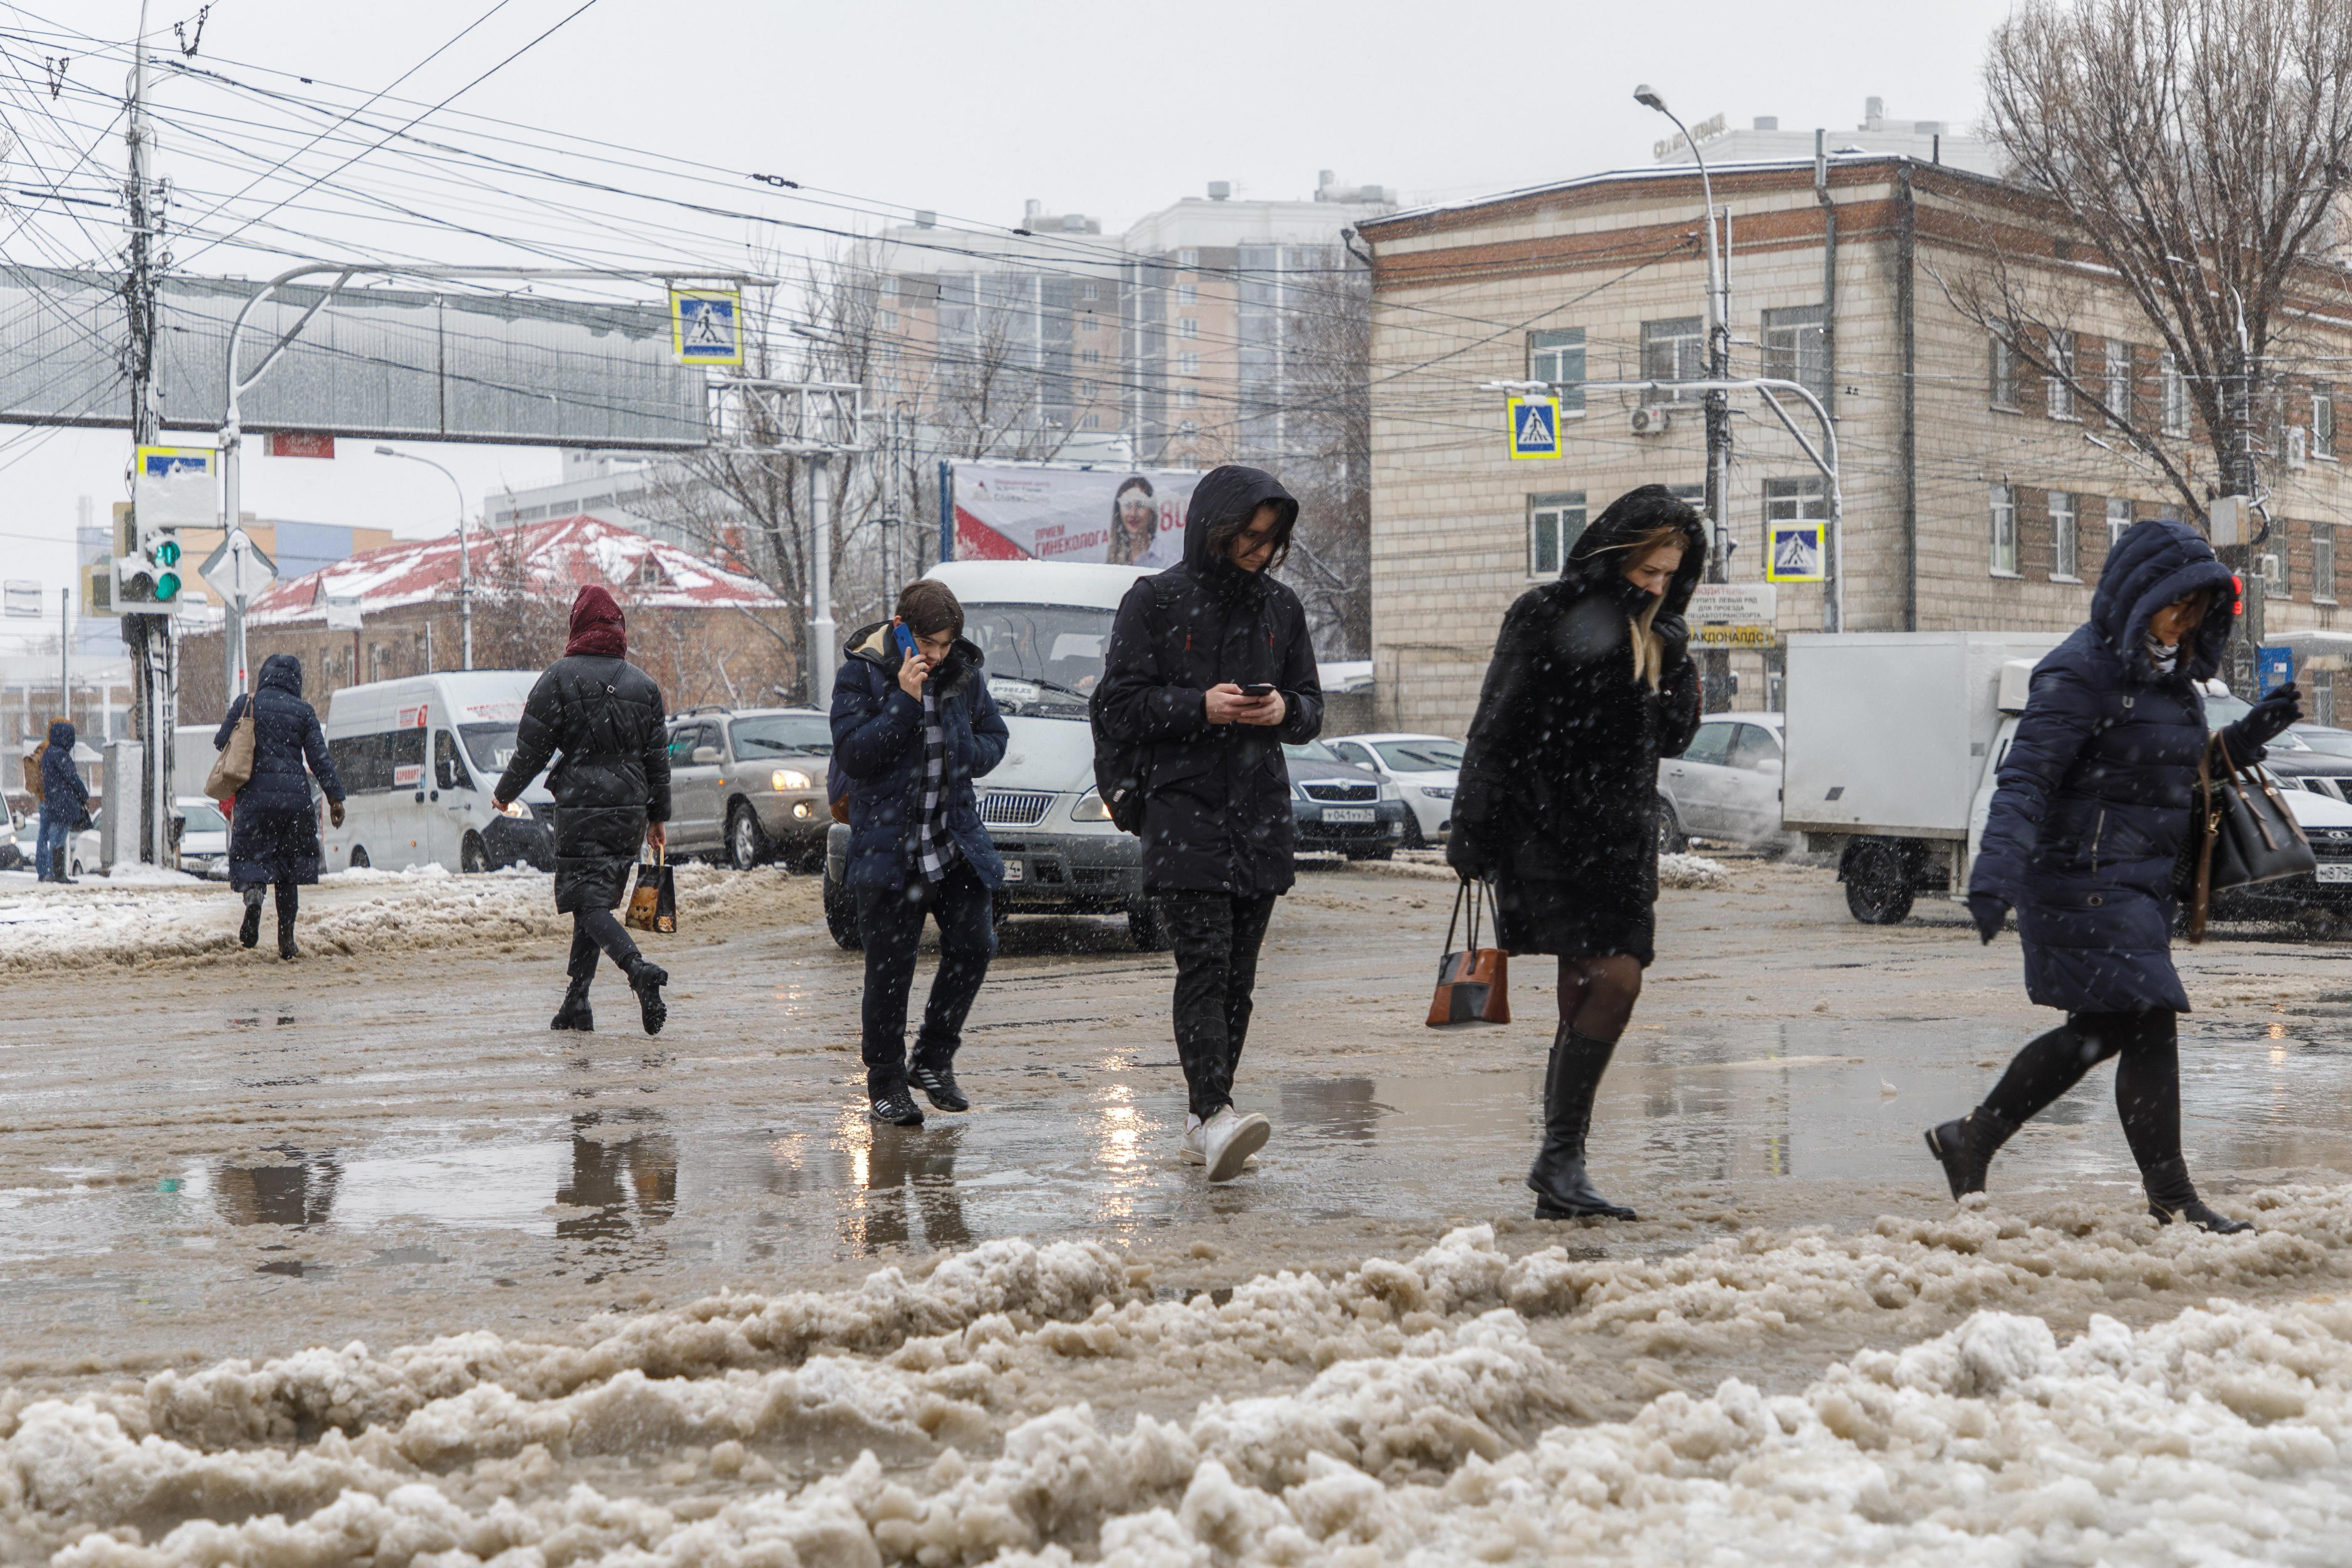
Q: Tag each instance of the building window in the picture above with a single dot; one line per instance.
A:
(1559, 357)
(2119, 519)
(1188, 363)
(1088, 325)
(2176, 396)
(1188, 293)
(1089, 290)
(1188, 326)
(2119, 379)
(2061, 382)
(1674, 350)
(1554, 521)
(889, 320)
(1094, 422)
(1090, 355)
(2065, 553)
(2322, 563)
(2004, 530)
(1188, 397)
(2323, 423)
(2004, 367)
(1795, 348)
(1188, 257)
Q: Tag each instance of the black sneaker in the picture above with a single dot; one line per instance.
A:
(939, 1086)
(896, 1107)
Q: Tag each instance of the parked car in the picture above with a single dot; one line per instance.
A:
(749, 783)
(13, 855)
(2292, 757)
(1423, 767)
(1339, 807)
(204, 838)
(82, 852)
(2327, 821)
(2325, 738)
(1726, 786)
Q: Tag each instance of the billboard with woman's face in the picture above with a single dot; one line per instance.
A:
(1126, 516)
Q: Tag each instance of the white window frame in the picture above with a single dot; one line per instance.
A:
(1557, 356)
(1188, 326)
(2323, 424)
(2004, 520)
(1090, 291)
(2059, 389)
(2322, 563)
(2119, 519)
(1188, 363)
(889, 320)
(1090, 355)
(1686, 348)
(2002, 371)
(1554, 510)
(2065, 537)
(1188, 397)
(2119, 379)
(2174, 387)
(1188, 293)
(1795, 344)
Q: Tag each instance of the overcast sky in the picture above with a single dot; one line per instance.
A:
(963, 108)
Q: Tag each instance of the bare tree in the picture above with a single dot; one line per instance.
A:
(1327, 356)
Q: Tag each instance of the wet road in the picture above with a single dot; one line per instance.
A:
(231, 1156)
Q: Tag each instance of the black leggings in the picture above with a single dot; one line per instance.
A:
(595, 929)
(2148, 1076)
(289, 900)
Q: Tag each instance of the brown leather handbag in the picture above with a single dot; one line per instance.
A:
(1471, 982)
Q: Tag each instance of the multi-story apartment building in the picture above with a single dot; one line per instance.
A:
(1975, 494)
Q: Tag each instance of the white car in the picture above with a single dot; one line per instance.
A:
(203, 839)
(1726, 786)
(1423, 767)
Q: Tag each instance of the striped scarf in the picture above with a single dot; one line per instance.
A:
(934, 849)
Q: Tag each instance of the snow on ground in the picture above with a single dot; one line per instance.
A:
(1431, 1415)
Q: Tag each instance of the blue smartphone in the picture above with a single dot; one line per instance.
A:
(906, 639)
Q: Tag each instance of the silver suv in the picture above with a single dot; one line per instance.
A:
(748, 784)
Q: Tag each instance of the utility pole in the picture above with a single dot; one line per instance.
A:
(65, 652)
(150, 637)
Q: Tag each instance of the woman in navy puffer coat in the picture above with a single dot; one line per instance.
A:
(2086, 827)
(273, 830)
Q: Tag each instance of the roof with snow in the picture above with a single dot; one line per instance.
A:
(559, 556)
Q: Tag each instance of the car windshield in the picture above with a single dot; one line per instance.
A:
(203, 816)
(1312, 751)
(785, 735)
(1420, 755)
(1058, 647)
(2329, 742)
(491, 745)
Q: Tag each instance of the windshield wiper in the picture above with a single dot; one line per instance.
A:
(1050, 686)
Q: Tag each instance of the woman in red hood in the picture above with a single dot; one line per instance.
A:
(611, 792)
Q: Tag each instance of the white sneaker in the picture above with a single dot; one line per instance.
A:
(1191, 1146)
(1229, 1138)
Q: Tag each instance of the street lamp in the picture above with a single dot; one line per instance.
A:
(465, 566)
(1718, 348)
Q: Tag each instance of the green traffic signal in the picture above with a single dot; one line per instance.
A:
(167, 582)
(167, 553)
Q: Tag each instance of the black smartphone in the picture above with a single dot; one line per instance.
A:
(1258, 689)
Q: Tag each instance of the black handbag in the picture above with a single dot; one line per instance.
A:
(2244, 833)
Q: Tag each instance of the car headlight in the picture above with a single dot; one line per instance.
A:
(1090, 809)
(515, 809)
(788, 778)
(1438, 791)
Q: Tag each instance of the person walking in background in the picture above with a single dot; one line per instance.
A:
(273, 827)
(1590, 685)
(1210, 670)
(64, 799)
(2092, 807)
(913, 726)
(612, 794)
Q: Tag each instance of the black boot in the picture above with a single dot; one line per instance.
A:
(58, 864)
(2172, 1195)
(286, 949)
(250, 932)
(647, 980)
(1570, 1080)
(574, 1014)
(1967, 1147)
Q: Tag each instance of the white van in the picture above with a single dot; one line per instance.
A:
(419, 759)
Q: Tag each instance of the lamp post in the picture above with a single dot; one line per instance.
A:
(1718, 352)
(465, 565)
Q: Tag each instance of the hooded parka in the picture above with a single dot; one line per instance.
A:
(605, 716)
(2092, 805)
(1557, 801)
(273, 831)
(878, 743)
(64, 797)
(1217, 816)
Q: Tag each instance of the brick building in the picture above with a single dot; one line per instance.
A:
(1975, 495)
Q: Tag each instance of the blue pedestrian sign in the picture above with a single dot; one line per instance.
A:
(706, 325)
(1533, 425)
(2273, 667)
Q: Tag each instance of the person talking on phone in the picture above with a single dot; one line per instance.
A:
(913, 726)
(1210, 670)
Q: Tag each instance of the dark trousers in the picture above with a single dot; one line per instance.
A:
(890, 923)
(1216, 938)
(289, 900)
(594, 931)
(2148, 1075)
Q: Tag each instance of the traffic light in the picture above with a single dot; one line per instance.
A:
(149, 573)
(2237, 594)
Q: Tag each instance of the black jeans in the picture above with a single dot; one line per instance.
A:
(594, 931)
(1216, 938)
(890, 923)
(2148, 1075)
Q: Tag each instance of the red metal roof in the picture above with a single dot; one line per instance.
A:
(560, 554)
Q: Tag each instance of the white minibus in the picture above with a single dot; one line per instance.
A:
(419, 757)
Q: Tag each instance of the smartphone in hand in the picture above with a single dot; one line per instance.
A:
(906, 639)
(1257, 689)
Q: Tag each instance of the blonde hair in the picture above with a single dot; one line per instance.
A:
(1649, 648)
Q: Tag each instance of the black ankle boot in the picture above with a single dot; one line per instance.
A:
(286, 949)
(648, 979)
(1967, 1147)
(1570, 1080)
(574, 1014)
(2172, 1195)
(250, 932)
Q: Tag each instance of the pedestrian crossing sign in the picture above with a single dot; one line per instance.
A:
(1796, 551)
(1534, 426)
(706, 325)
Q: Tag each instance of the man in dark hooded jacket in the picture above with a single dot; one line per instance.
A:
(64, 797)
(1210, 672)
(612, 793)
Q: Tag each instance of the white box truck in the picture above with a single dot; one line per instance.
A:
(1893, 741)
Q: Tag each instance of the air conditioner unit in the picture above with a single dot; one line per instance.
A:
(2269, 569)
(2298, 447)
(1652, 420)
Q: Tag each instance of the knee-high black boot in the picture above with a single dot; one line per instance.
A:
(1570, 1080)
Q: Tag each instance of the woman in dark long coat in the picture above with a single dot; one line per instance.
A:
(612, 794)
(2091, 809)
(1591, 684)
(273, 828)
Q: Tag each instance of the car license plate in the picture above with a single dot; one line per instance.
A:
(1346, 813)
(2336, 870)
(1012, 870)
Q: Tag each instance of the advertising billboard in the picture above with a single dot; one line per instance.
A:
(1126, 516)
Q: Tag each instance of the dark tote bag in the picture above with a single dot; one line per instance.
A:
(2242, 833)
(653, 904)
(1471, 982)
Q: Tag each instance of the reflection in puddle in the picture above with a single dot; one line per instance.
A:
(626, 1180)
(905, 1187)
(299, 1193)
(1338, 1107)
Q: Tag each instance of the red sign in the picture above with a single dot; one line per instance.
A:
(301, 444)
